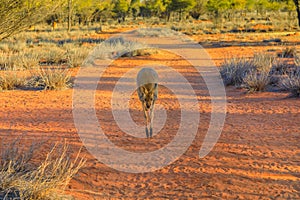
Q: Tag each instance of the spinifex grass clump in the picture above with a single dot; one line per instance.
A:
(75, 57)
(119, 47)
(256, 81)
(263, 62)
(234, 70)
(291, 83)
(51, 79)
(20, 179)
(9, 80)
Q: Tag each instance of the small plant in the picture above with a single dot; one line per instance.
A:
(9, 62)
(53, 57)
(21, 180)
(76, 57)
(28, 60)
(156, 32)
(10, 81)
(280, 67)
(256, 81)
(51, 79)
(291, 83)
(297, 60)
(234, 70)
(289, 52)
(263, 62)
(119, 47)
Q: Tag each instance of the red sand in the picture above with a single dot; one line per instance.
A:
(256, 157)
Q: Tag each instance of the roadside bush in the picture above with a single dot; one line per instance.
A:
(75, 57)
(291, 83)
(263, 62)
(119, 47)
(51, 79)
(10, 81)
(234, 70)
(20, 179)
(256, 81)
(289, 52)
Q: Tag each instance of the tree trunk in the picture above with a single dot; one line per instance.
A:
(69, 15)
(297, 4)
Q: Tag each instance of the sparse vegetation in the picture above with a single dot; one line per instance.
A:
(263, 62)
(256, 81)
(51, 79)
(291, 83)
(119, 47)
(22, 179)
(234, 70)
(262, 71)
(297, 60)
(75, 57)
(289, 52)
(9, 80)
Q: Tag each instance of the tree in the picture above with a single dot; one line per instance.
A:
(181, 6)
(69, 15)
(19, 15)
(121, 8)
(297, 4)
(135, 8)
(218, 7)
(199, 9)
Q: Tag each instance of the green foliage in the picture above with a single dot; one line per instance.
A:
(199, 9)
(121, 8)
(16, 16)
(182, 4)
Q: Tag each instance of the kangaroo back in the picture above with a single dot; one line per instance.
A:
(147, 76)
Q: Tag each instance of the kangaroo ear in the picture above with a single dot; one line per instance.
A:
(155, 91)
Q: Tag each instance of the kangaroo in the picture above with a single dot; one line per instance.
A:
(147, 83)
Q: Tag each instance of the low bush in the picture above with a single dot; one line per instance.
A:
(234, 70)
(256, 81)
(51, 79)
(9, 80)
(291, 83)
(21, 179)
(263, 62)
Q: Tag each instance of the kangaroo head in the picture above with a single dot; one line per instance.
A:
(148, 96)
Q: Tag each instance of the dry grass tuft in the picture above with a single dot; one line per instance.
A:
(291, 83)
(297, 60)
(20, 180)
(9, 80)
(256, 81)
(51, 79)
(119, 47)
(75, 57)
(234, 70)
(289, 52)
(263, 62)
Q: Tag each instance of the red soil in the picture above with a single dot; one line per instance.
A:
(256, 157)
